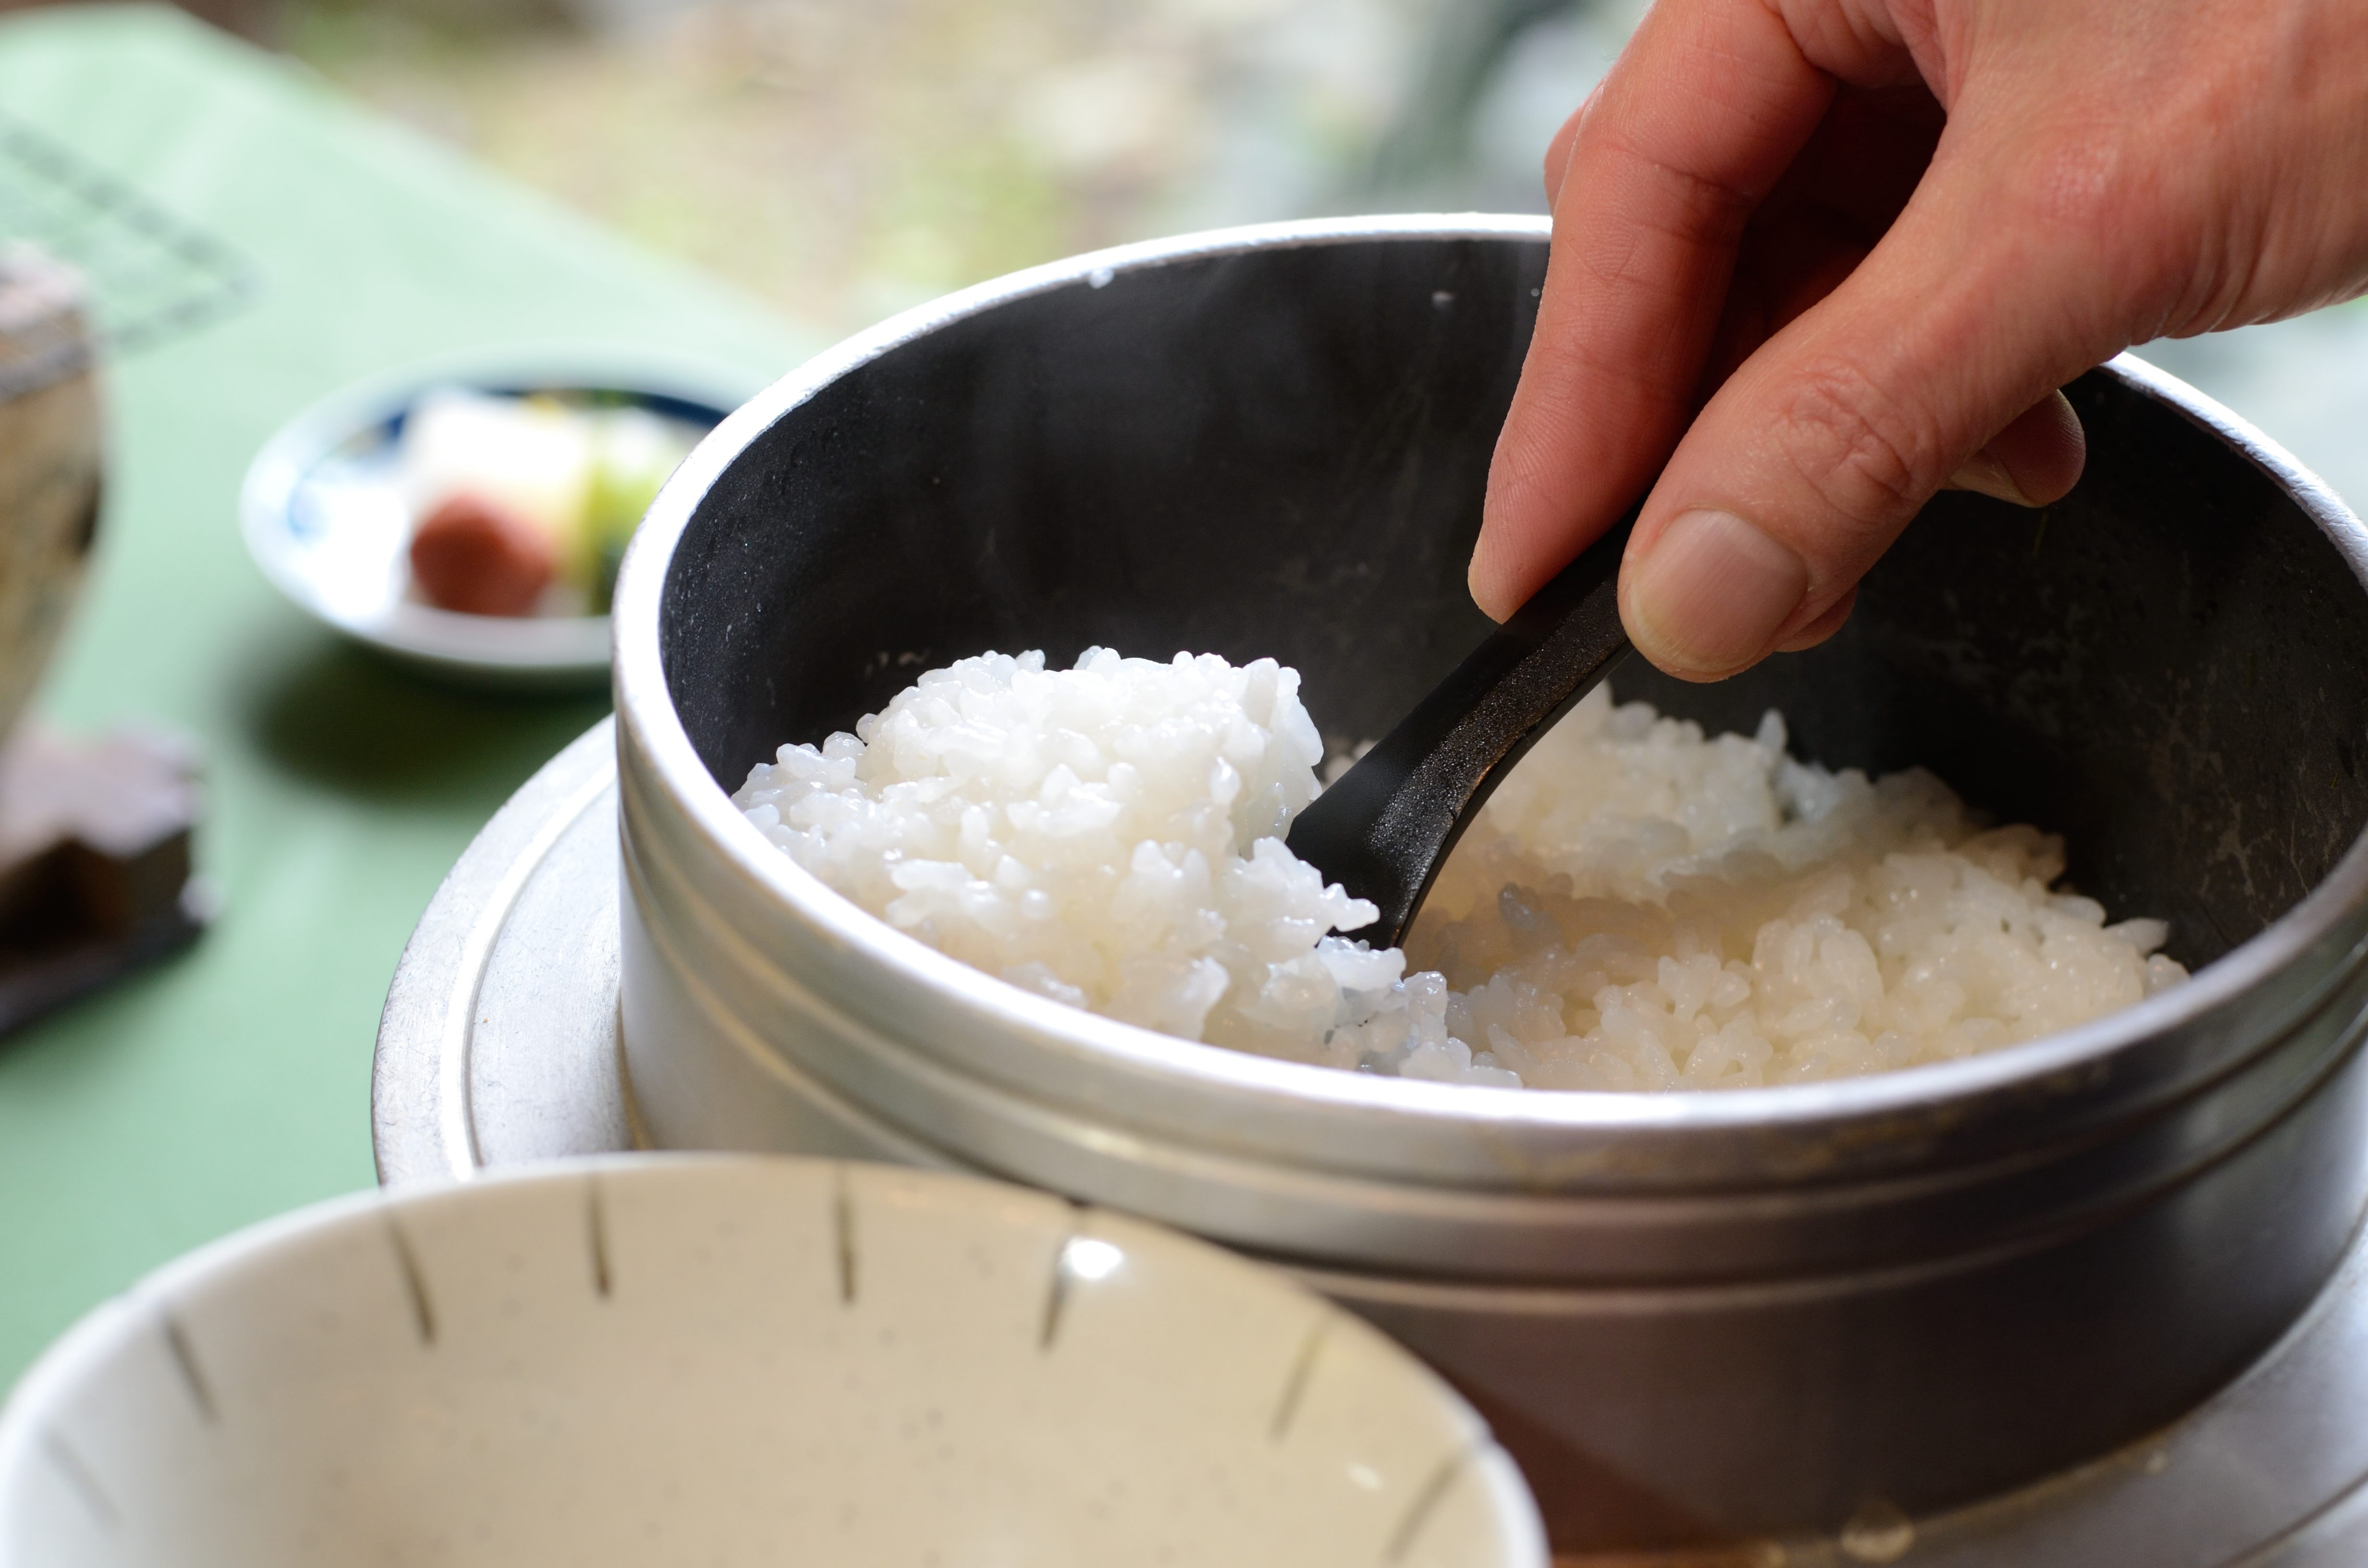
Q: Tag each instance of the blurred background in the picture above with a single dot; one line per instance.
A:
(842, 159)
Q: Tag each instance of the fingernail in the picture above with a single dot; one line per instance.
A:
(1483, 582)
(1984, 473)
(1710, 595)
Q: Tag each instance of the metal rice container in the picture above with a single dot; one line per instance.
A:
(1692, 1316)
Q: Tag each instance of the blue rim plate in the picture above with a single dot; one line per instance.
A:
(324, 521)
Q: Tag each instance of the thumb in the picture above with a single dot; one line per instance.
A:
(1935, 362)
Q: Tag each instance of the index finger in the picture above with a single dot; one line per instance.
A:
(1708, 105)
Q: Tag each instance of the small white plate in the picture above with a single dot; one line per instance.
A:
(688, 1359)
(325, 521)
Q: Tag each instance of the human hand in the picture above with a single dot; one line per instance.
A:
(1825, 256)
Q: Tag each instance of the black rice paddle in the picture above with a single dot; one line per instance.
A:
(1383, 829)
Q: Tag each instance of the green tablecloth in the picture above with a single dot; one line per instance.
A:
(234, 1082)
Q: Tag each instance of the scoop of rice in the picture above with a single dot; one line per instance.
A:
(1638, 907)
(1111, 835)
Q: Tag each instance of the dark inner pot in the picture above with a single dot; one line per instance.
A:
(1281, 453)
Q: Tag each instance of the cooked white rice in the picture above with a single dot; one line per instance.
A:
(1638, 906)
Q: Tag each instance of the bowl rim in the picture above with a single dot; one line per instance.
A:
(521, 645)
(28, 1411)
(648, 721)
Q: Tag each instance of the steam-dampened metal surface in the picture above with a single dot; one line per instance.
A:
(498, 1049)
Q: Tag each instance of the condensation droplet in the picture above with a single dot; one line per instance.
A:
(1878, 1532)
(1100, 277)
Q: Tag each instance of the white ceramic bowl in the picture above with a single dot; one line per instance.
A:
(325, 522)
(730, 1360)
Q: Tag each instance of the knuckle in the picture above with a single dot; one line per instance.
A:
(1864, 452)
(2088, 191)
(2087, 183)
